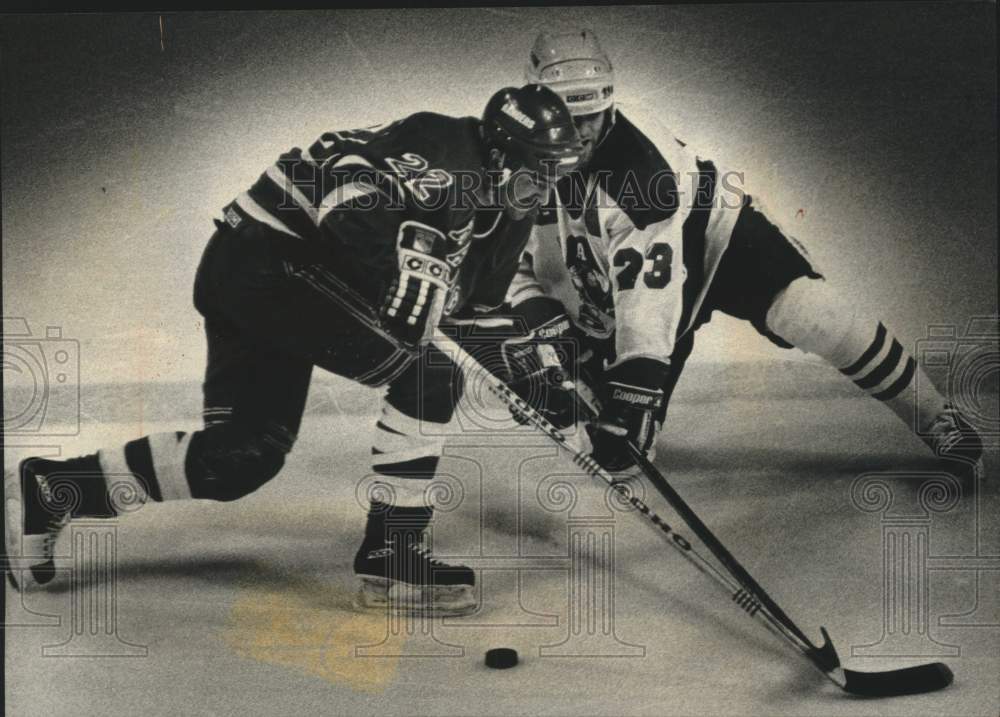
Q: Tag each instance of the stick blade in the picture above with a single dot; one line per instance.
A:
(906, 681)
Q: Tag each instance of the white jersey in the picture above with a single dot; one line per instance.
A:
(630, 245)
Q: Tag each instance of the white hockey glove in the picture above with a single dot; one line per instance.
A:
(414, 300)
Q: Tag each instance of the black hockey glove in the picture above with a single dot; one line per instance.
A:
(632, 400)
(543, 365)
(413, 303)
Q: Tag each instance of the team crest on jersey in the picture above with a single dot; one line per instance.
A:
(458, 245)
(455, 258)
(591, 283)
(591, 321)
(462, 235)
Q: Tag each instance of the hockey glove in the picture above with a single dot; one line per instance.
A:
(413, 303)
(542, 367)
(631, 407)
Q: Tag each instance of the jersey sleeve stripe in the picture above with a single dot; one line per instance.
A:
(342, 195)
(276, 175)
(355, 159)
(309, 159)
(255, 211)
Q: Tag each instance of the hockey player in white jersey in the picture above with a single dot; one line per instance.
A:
(642, 243)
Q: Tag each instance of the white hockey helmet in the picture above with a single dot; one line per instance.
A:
(576, 68)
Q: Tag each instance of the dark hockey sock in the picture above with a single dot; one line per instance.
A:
(385, 522)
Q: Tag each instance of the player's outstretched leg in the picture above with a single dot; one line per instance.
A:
(811, 315)
(222, 462)
(393, 564)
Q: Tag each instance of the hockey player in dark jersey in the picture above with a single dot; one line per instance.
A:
(345, 255)
(637, 249)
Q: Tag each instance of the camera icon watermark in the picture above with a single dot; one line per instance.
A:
(966, 367)
(41, 378)
(925, 588)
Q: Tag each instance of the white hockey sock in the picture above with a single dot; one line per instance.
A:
(153, 465)
(814, 317)
(405, 454)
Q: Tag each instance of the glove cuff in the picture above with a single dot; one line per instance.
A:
(642, 373)
(635, 396)
(555, 328)
(538, 311)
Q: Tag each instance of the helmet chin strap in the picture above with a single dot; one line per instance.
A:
(505, 175)
(611, 114)
(612, 117)
(498, 173)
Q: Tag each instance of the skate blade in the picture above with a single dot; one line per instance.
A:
(403, 598)
(11, 527)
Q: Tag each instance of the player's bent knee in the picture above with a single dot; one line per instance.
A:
(812, 315)
(429, 391)
(227, 463)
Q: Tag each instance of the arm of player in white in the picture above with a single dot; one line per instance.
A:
(648, 277)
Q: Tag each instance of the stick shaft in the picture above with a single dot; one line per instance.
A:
(740, 593)
(716, 547)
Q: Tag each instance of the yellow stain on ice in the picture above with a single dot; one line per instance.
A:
(315, 630)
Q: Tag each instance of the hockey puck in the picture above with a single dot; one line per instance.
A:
(501, 658)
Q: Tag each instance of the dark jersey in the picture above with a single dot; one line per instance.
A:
(352, 198)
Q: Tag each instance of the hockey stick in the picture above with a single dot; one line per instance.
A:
(745, 592)
(908, 680)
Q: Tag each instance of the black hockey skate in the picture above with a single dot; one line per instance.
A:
(32, 522)
(399, 574)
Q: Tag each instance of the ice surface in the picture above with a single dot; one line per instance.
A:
(244, 608)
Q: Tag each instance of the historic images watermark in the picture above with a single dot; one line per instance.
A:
(41, 380)
(962, 363)
(85, 571)
(320, 183)
(41, 377)
(908, 503)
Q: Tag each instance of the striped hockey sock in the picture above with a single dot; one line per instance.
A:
(887, 372)
(152, 466)
(812, 316)
(405, 455)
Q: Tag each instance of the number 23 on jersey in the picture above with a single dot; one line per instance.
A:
(659, 257)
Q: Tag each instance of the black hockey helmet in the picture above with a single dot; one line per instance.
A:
(533, 128)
